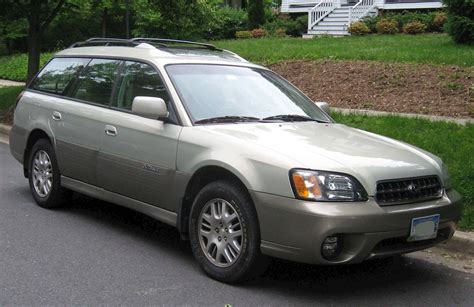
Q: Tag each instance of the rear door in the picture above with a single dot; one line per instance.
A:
(137, 155)
(72, 122)
(79, 137)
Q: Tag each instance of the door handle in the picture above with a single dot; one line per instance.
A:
(110, 130)
(56, 115)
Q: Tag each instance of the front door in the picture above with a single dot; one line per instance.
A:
(137, 155)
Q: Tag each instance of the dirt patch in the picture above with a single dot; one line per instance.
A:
(394, 87)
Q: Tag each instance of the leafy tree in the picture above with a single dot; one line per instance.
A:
(256, 12)
(39, 14)
(184, 19)
(13, 33)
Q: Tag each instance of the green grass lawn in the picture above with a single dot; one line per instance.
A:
(425, 48)
(451, 142)
(8, 96)
(14, 67)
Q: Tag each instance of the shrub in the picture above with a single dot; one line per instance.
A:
(358, 28)
(387, 26)
(225, 22)
(243, 34)
(461, 28)
(259, 33)
(280, 32)
(371, 22)
(433, 21)
(414, 27)
(406, 17)
(439, 21)
(293, 26)
(460, 23)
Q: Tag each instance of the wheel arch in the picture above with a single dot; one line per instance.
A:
(33, 137)
(201, 177)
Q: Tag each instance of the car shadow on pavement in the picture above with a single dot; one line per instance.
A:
(392, 275)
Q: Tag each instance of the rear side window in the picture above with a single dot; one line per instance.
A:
(96, 82)
(139, 79)
(59, 75)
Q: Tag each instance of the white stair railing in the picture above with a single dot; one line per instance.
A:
(360, 10)
(321, 10)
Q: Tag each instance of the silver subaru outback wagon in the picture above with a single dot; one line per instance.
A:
(241, 162)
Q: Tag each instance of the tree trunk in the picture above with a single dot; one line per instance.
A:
(34, 46)
(104, 22)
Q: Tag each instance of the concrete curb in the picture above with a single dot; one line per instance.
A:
(5, 129)
(461, 242)
(460, 121)
(6, 83)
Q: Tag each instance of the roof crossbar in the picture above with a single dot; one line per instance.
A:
(156, 42)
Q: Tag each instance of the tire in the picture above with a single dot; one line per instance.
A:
(216, 248)
(47, 195)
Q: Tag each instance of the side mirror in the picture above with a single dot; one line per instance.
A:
(324, 106)
(150, 107)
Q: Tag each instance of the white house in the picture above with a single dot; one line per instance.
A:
(334, 16)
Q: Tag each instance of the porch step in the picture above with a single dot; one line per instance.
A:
(329, 28)
(337, 18)
(328, 32)
(337, 13)
(332, 23)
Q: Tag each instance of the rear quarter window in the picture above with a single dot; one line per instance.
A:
(59, 74)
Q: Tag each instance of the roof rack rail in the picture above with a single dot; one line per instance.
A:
(106, 41)
(165, 41)
(156, 42)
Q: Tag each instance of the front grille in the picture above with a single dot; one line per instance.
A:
(410, 190)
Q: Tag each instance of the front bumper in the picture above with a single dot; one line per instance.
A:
(295, 230)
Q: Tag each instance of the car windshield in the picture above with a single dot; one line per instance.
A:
(219, 93)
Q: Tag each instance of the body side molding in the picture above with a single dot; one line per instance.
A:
(161, 215)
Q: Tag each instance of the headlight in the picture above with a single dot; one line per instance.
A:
(446, 179)
(326, 186)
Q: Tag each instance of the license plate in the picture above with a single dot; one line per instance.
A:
(424, 228)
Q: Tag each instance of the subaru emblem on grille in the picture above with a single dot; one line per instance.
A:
(412, 188)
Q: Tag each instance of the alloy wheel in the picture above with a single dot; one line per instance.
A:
(220, 232)
(42, 173)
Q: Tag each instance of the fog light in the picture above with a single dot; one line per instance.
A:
(331, 247)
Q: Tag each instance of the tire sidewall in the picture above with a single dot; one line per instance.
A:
(250, 229)
(50, 200)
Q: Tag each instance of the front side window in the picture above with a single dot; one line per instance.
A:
(218, 91)
(139, 79)
(59, 74)
(95, 84)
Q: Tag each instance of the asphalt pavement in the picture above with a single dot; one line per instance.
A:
(93, 253)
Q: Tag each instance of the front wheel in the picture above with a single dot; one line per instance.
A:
(224, 233)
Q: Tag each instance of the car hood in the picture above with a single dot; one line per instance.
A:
(335, 147)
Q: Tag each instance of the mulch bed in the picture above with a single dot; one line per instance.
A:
(394, 87)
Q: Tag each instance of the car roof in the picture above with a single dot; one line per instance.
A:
(161, 56)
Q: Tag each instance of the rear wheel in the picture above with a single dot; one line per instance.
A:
(224, 233)
(44, 176)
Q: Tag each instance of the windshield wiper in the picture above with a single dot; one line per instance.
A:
(293, 118)
(227, 119)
